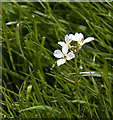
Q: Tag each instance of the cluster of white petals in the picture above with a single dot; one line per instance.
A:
(80, 39)
(64, 55)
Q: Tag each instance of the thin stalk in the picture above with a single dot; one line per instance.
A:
(76, 66)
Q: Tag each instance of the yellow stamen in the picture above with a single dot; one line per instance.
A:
(69, 46)
(79, 45)
(66, 43)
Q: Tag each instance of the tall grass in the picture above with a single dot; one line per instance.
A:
(33, 85)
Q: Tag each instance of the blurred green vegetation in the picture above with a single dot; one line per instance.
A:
(33, 85)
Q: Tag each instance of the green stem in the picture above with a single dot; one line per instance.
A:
(76, 66)
(77, 73)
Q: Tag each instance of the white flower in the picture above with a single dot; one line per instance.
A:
(67, 42)
(80, 39)
(63, 55)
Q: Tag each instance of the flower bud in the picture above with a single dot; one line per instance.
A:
(75, 50)
(72, 46)
(80, 67)
(75, 47)
(80, 48)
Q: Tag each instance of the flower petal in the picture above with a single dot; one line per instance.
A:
(87, 40)
(72, 37)
(61, 43)
(58, 54)
(65, 49)
(70, 55)
(67, 38)
(79, 36)
(60, 62)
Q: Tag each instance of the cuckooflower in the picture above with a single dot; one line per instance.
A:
(80, 39)
(63, 55)
(67, 42)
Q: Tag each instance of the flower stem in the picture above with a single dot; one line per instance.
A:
(76, 66)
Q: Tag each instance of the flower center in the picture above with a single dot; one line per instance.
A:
(65, 56)
(78, 45)
(81, 40)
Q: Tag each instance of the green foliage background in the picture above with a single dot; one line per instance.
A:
(33, 85)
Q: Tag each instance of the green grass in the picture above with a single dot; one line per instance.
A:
(33, 86)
